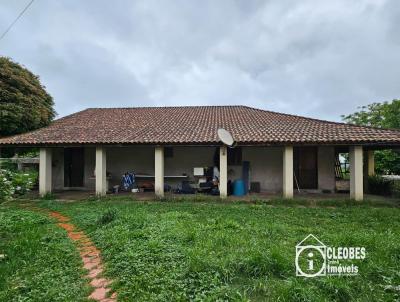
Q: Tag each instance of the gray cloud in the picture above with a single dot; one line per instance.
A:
(313, 58)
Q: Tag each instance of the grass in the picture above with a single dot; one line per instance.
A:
(219, 251)
(40, 263)
(213, 251)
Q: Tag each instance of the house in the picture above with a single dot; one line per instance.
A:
(91, 149)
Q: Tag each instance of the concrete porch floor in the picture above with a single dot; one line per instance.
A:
(73, 195)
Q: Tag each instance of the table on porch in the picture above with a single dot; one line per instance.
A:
(143, 177)
(165, 176)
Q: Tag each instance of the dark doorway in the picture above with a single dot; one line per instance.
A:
(73, 167)
(306, 167)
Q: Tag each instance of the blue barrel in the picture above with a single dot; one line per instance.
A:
(238, 187)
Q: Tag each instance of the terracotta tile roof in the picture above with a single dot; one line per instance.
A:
(198, 125)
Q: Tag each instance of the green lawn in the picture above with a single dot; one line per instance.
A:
(208, 251)
(40, 263)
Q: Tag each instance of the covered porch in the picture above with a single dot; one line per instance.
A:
(265, 170)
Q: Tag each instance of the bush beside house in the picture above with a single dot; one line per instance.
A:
(379, 185)
(16, 183)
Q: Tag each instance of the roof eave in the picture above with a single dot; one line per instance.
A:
(366, 144)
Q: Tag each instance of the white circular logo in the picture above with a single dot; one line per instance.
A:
(309, 255)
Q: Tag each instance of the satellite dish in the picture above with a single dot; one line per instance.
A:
(225, 137)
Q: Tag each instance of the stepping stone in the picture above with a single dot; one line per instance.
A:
(67, 226)
(99, 293)
(99, 282)
(109, 300)
(90, 265)
(94, 272)
(90, 256)
(91, 260)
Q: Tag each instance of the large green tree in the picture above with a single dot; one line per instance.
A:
(382, 115)
(24, 103)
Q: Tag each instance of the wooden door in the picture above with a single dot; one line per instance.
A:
(73, 167)
(306, 167)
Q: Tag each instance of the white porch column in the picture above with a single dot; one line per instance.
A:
(371, 163)
(356, 172)
(45, 171)
(101, 177)
(223, 172)
(288, 172)
(159, 171)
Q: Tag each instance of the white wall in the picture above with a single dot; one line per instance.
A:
(140, 159)
(326, 168)
(265, 164)
(186, 158)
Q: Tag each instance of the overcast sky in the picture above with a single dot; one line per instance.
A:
(314, 58)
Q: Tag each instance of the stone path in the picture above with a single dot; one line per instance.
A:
(90, 256)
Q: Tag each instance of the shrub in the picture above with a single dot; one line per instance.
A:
(15, 183)
(23, 182)
(379, 186)
(6, 186)
(9, 165)
(108, 216)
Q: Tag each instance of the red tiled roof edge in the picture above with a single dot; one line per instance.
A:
(198, 125)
